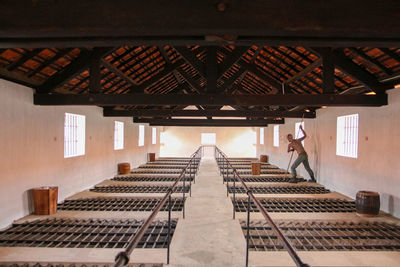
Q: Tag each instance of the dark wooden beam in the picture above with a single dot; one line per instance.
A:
(81, 63)
(211, 100)
(49, 61)
(347, 66)
(105, 22)
(212, 69)
(275, 84)
(312, 66)
(230, 81)
(190, 81)
(191, 59)
(362, 76)
(206, 113)
(168, 69)
(118, 72)
(207, 122)
(95, 71)
(232, 59)
(370, 60)
(328, 70)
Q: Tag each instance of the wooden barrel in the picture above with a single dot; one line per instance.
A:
(255, 168)
(124, 168)
(263, 158)
(151, 157)
(45, 200)
(367, 203)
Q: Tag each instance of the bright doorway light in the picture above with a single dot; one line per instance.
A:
(208, 138)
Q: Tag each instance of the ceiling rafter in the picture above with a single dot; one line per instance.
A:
(191, 59)
(71, 70)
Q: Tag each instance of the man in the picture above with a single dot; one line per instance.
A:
(295, 144)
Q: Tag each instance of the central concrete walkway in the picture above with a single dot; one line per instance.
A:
(208, 236)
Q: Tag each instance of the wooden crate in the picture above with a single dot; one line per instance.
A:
(256, 168)
(45, 200)
(263, 158)
(151, 157)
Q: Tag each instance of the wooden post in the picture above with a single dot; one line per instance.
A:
(45, 200)
(256, 168)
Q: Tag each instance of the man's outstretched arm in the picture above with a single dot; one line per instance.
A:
(304, 133)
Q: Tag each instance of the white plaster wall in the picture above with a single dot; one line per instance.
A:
(377, 166)
(32, 150)
(183, 141)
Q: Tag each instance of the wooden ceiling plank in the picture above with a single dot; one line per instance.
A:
(206, 113)
(211, 99)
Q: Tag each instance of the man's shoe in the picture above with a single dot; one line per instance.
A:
(312, 180)
(293, 181)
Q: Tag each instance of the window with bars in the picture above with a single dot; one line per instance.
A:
(162, 138)
(261, 136)
(154, 135)
(141, 135)
(347, 136)
(74, 135)
(118, 135)
(276, 135)
(297, 132)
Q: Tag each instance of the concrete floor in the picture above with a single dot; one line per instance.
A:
(208, 236)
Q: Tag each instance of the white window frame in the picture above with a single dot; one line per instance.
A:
(118, 135)
(261, 136)
(347, 136)
(297, 133)
(276, 135)
(141, 135)
(154, 135)
(74, 135)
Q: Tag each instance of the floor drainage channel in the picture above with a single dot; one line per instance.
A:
(263, 179)
(90, 233)
(161, 171)
(281, 190)
(138, 189)
(165, 167)
(325, 236)
(150, 178)
(263, 171)
(119, 204)
(297, 205)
